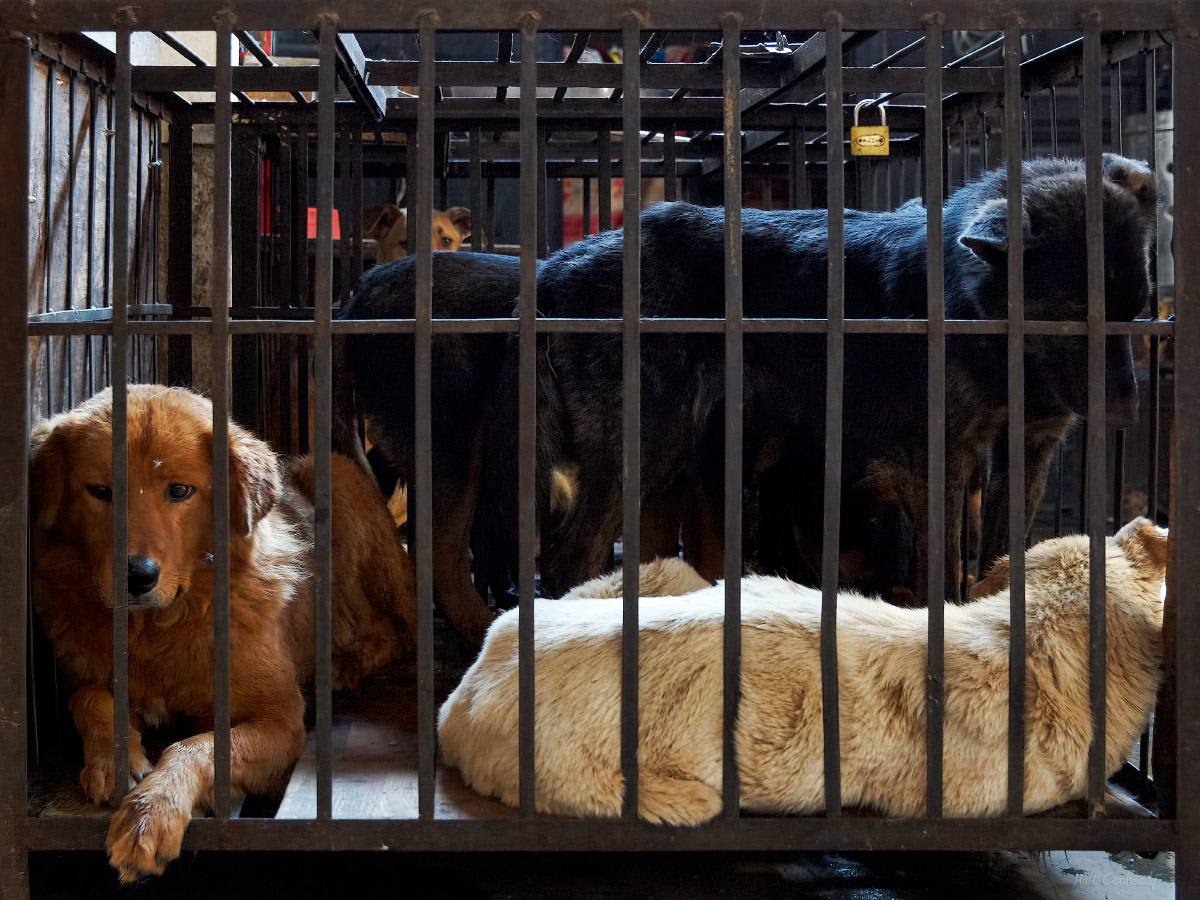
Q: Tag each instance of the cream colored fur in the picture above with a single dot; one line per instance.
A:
(668, 577)
(881, 671)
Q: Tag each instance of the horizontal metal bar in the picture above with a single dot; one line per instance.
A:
(245, 78)
(692, 76)
(1160, 328)
(103, 314)
(22, 16)
(816, 834)
(900, 117)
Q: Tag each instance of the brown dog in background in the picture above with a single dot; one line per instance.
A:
(271, 590)
(388, 227)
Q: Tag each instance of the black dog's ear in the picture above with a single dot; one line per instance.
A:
(460, 216)
(48, 471)
(254, 480)
(1134, 175)
(986, 235)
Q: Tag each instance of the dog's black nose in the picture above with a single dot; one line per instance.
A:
(143, 575)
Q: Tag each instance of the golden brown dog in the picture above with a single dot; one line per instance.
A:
(388, 227)
(171, 601)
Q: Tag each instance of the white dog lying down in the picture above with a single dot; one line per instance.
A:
(881, 669)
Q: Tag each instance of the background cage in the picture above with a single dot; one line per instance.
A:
(102, 127)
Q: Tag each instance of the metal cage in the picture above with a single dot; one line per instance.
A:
(63, 336)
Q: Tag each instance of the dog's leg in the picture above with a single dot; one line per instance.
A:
(667, 800)
(454, 500)
(146, 831)
(92, 710)
(579, 548)
(1039, 450)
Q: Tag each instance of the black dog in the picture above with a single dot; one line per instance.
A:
(884, 404)
(375, 375)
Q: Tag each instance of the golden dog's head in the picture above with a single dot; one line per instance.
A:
(170, 456)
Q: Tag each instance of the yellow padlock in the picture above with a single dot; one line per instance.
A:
(869, 140)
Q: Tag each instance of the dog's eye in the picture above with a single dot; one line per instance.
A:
(446, 242)
(101, 492)
(178, 492)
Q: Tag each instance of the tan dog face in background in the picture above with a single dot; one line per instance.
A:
(388, 227)
(170, 490)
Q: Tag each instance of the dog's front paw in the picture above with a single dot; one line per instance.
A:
(146, 831)
(97, 779)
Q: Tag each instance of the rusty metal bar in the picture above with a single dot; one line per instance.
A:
(15, 85)
(322, 421)
(421, 225)
(631, 405)
(670, 177)
(118, 363)
(604, 183)
(527, 423)
(936, 380)
(734, 409)
(1185, 510)
(1155, 367)
(219, 351)
(578, 45)
(477, 190)
(835, 363)
(1016, 421)
(1096, 450)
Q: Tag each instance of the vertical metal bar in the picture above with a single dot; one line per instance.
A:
(300, 231)
(1096, 487)
(936, 532)
(322, 386)
(1185, 525)
(604, 188)
(119, 347)
(835, 364)
(798, 182)
(527, 402)
(1116, 128)
(477, 189)
(179, 248)
(1016, 423)
(15, 85)
(543, 235)
(631, 401)
(1118, 497)
(587, 207)
(421, 213)
(356, 209)
(1059, 478)
(1053, 120)
(491, 212)
(1155, 369)
(222, 173)
(734, 407)
(670, 181)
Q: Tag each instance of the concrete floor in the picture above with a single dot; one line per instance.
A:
(542, 876)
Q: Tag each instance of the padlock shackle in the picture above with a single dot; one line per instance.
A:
(882, 111)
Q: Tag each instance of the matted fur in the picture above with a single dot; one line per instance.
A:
(170, 628)
(881, 677)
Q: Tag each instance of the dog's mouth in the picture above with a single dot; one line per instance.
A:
(152, 600)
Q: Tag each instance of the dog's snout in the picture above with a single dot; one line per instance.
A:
(143, 575)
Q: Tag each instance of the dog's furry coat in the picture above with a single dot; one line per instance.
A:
(171, 627)
(881, 669)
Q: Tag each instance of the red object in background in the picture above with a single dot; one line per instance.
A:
(312, 223)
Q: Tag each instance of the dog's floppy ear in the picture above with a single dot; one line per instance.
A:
(1134, 175)
(986, 235)
(254, 480)
(48, 471)
(383, 220)
(460, 217)
(1145, 544)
